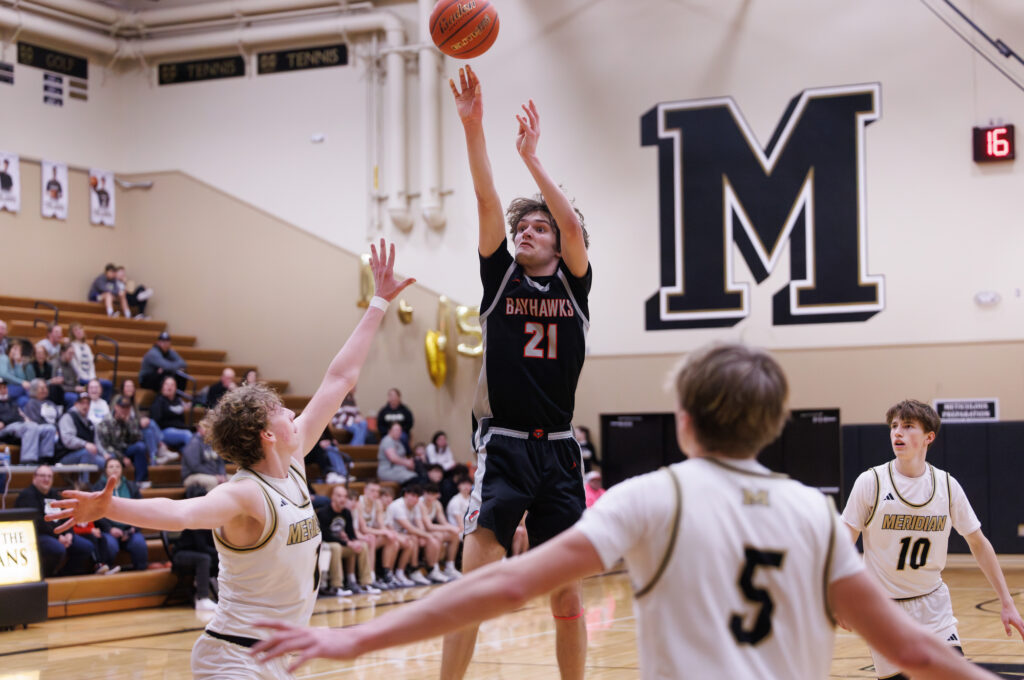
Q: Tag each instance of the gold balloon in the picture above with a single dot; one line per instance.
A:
(444, 313)
(366, 285)
(404, 312)
(467, 320)
(437, 364)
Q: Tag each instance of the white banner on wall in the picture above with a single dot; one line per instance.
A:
(101, 197)
(55, 189)
(10, 182)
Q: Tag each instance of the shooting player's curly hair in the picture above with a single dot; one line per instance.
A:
(520, 207)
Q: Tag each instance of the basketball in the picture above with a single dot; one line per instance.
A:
(464, 28)
(93, 181)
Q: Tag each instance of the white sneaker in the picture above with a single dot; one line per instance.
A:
(436, 576)
(145, 295)
(403, 580)
(451, 572)
(370, 589)
(335, 478)
(164, 455)
(418, 578)
(205, 604)
(146, 484)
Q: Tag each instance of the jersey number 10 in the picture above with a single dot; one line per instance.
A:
(538, 335)
(918, 553)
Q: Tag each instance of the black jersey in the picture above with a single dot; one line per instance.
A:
(534, 335)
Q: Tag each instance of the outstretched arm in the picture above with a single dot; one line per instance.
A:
(344, 369)
(986, 557)
(215, 509)
(887, 628)
(574, 249)
(480, 595)
(469, 103)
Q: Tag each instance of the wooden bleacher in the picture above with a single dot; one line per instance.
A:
(128, 590)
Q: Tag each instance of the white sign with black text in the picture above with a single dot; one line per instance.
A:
(101, 197)
(55, 189)
(967, 410)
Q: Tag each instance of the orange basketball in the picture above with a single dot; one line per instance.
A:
(93, 181)
(464, 28)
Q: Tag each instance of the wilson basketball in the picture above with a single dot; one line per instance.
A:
(464, 28)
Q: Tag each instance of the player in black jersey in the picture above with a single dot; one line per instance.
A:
(534, 316)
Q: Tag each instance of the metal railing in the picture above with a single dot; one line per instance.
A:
(41, 303)
(117, 353)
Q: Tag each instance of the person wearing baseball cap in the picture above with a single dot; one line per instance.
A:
(159, 362)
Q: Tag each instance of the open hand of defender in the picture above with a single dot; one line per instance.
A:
(82, 507)
(383, 267)
(529, 130)
(310, 643)
(468, 102)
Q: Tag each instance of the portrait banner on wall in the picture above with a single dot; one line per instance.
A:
(55, 189)
(101, 197)
(10, 182)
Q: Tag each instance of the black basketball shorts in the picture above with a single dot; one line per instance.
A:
(536, 472)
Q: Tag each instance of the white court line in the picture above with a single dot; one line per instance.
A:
(391, 662)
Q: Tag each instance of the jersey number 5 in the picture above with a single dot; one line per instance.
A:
(537, 332)
(763, 623)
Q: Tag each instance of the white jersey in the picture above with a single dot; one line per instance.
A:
(457, 509)
(399, 510)
(369, 513)
(905, 522)
(277, 578)
(429, 513)
(730, 566)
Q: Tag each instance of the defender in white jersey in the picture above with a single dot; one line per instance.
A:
(905, 509)
(267, 535)
(736, 570)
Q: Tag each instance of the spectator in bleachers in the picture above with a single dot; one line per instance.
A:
(394, 411)
(99, 409)
(370, 522)
(36, 441)
(405, 517)
(53, 341)
(439, 453)
(41, 368)
(339, 536)
(252, 377)
(39, 409)
(168, 412)
(195, 551)
(436, 523)
(77, 441)
(104, 289)
(392, 463)
(61, 555)
(120, 436)
(200, 464)
(160, 362)
(348, 418)
(136, 295)
(13, 371)
(590, 458)
(457, 506)
(117, 535)
(220, 388)
(85, 362)
(4, 342)
(65, 369)
(449, 483)
(104, 562)
(159, 453)
(329, 457)
(419, 460)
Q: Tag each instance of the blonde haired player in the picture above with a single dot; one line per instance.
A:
(905, 509)
(736, 571)
(267, 536)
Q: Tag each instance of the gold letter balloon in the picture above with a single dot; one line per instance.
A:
(467, 320)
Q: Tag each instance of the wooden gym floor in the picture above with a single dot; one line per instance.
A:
(156, 643)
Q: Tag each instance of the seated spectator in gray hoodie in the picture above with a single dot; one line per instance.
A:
(159, 362)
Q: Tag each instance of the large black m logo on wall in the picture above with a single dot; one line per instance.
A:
(717, 187)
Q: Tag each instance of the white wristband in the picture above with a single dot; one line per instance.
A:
(379, 302)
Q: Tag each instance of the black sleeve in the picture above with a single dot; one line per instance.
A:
(156, 410)
(492, 271)
(349, 528)
(409, 420)
(325, 516)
